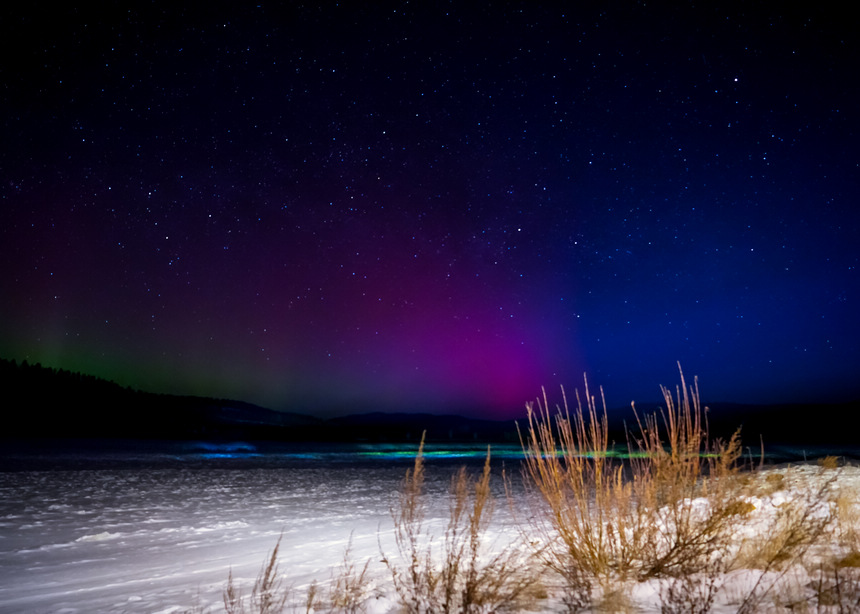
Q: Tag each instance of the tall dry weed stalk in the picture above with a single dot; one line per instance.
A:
(350, 587)
(268, 596)
(464, 575)
(654, 515)
(847, 507)
(347, 594)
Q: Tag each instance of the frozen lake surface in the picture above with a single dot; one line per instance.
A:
(158, 529)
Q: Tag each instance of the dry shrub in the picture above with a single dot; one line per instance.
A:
(780, 546)
(347, 594)
(268, 596)
(836, 585)
(823, 589)
(668, 512)
(587, 516)
(836, 589)
(691, 593)
(847, 510)
(614, 598)
(828, 462)
(464, 577)
(795, 592)
(773, 482)
(349, 589)
(797, 524)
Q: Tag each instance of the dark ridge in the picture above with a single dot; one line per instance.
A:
(42, 402)
(45, 403)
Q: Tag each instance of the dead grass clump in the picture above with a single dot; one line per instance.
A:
(740, 508)
(852, 559)
(615, 599)
(668, 512)
(797, 524)
(835, 589)
(567, 464)
(691, 593)
(847, 509)
(268, 596)
(464, 576)
(531, 598)
(773, 482)
(350, 589)
(828, 462)
(348, 592)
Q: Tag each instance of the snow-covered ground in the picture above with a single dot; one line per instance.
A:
(163, 538)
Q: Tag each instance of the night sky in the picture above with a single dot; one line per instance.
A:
(429, 206)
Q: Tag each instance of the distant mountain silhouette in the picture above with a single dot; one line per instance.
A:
(41, 402)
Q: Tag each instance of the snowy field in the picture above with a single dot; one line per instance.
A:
(158, 533)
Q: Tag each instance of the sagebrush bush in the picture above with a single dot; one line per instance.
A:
(465, 576)
(655, 515)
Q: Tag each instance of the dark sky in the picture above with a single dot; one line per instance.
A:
(433, 206)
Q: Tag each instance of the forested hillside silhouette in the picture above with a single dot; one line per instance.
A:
(45, 402)
(42, 402)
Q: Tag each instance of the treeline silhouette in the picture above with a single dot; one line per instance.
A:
(42, 402)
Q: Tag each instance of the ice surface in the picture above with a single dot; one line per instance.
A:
(160, 539)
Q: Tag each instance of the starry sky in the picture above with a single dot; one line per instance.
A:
(433, 206)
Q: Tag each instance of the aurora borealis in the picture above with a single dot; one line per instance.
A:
(333, 207)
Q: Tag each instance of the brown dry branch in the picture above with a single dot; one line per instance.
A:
(413, 578)
(847, 509)
(692, 486)
(232, 596)
(464, 577)
(588, 502)
(268, 596)
(349, 590)
(692, 593)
